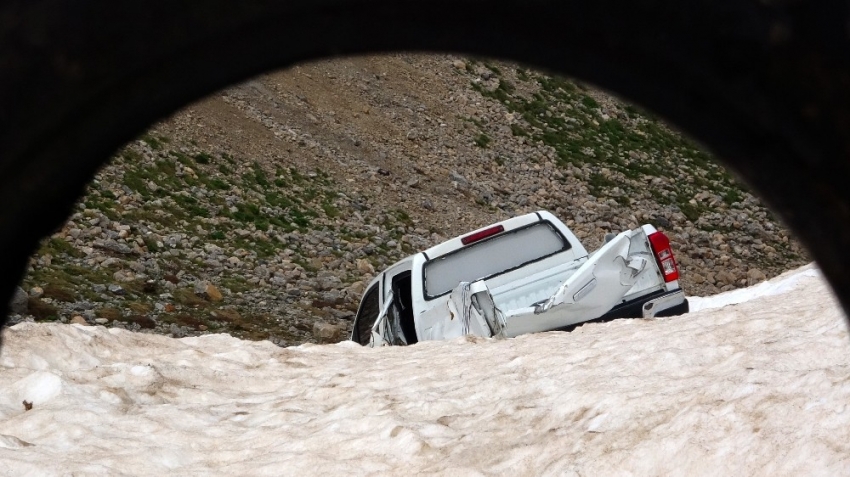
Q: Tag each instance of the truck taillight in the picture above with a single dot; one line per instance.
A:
(482, 234)
(664, 256)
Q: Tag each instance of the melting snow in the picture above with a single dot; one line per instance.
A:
(755, 383)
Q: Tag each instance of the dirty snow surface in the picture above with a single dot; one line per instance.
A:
(755, 384)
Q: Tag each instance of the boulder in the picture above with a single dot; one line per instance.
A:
(364, 267)
(356, 289)
(208, 291)
(754, 276)
(326, 333)
(20, 302)
(123, 276)
(724, 277)
(78, 320)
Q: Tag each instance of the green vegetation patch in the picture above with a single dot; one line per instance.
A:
(482, 140)
(635, 147)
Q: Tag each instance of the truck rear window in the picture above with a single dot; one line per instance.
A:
(492, 257)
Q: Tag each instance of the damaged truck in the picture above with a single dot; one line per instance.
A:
(523, 275)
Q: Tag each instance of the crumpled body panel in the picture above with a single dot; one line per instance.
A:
(595, 287)
(469, 310)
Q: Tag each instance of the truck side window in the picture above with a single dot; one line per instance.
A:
(366, 316)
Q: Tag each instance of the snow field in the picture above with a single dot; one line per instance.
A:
(756, 383)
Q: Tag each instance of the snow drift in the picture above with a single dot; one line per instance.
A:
(755, 383)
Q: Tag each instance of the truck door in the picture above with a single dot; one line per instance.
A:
(397, 287)
(368, 312)
(403, 306)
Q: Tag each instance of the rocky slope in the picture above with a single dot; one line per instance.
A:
(264, 210)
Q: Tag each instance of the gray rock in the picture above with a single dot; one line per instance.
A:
(123, 276)
(116, 289)
(109, 262)
(724, 277)
(201, 287)
(332, 296)
(356, 289)
(207, 291)
(177, 331)
(173, 240)
(662, 222)
(455, 177)
(20, 302)
(116, 247)
(82, 306)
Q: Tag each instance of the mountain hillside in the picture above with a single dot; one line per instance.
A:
(265, 209)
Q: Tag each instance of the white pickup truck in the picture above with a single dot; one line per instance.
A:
(523, 275)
